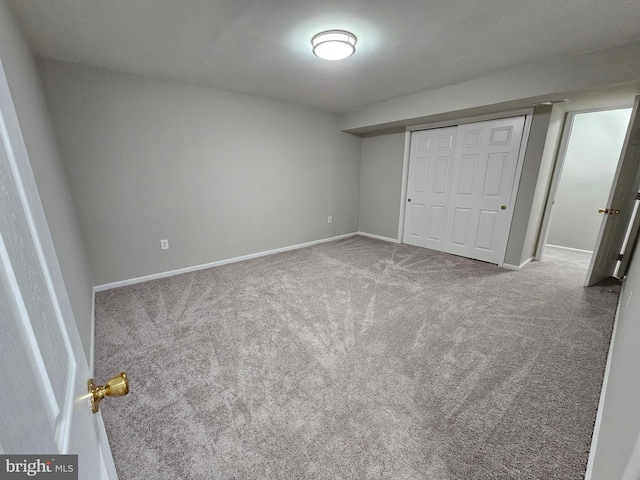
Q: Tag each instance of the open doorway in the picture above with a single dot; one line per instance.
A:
(587, 162)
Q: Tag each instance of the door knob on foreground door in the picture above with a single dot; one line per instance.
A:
(116, 387)
(603, 210)
(408, 200)
(503, 207)
(614, 212)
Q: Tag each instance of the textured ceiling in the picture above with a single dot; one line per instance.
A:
(262, 47)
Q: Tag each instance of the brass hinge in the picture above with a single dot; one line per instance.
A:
(620, 257)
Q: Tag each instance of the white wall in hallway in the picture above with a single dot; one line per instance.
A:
(590, 164)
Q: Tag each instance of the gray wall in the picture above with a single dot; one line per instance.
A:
(524, 206)
(587, 174)
(381, 184)
(606, 67)
(219, 175)
(544, 138)
(620, 427)
(26, 92)
(545, 174)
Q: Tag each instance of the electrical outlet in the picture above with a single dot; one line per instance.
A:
(329, 219)
(164, 244)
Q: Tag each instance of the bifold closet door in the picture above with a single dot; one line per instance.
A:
(460, 187)
(483, 174)
(430, 164)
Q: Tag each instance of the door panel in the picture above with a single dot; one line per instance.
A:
(486, 230)
(436, 231)
(416, 215)
(501, 135)
(420, 185)
(493, 178)
(461, 221)
(467, 174)
(37, 314)
(428, 186)
(483, 174)
(441, 179)
(622, 197)
(472, 138)
(26, 401)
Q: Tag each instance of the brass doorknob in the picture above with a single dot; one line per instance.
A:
(614, 212)
(503, 207)
(408, 200)
(116, 387)
(603, 210)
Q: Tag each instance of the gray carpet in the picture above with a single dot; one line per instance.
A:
(357, 359)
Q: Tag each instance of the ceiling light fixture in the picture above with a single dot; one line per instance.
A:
(334, 44)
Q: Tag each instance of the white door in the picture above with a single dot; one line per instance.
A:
(44, 407)
(619, 206)
(484, 170)
(460, 188)
(430, 163)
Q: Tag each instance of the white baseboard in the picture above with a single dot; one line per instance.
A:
(155, 276)
(603, 392)
(378, 237)
(590, 252)
(508, 266)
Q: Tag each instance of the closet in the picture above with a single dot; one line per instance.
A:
(460, 188)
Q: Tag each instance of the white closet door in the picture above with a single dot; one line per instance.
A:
(480, 199)
(428, 186)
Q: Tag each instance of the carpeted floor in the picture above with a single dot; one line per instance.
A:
(357, 359)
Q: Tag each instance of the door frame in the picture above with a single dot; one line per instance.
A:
(557, 174)
(526, 112)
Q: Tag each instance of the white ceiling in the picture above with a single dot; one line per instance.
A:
(262, 47)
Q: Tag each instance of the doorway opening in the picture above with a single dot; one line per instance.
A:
(584, 176)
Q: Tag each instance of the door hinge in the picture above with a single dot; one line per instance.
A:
(638, 196)
(620, 257)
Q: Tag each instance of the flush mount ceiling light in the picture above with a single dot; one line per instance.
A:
(334, 44)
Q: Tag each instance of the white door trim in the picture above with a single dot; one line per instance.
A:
(474, 119)
(405, 183)
(526, 130)
(555, 182)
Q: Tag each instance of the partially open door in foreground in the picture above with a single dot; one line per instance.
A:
(45, 409)
(619, 208)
